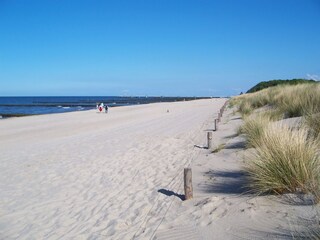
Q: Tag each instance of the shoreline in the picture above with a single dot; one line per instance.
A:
(7, 116)
(25, 106)
(83, 174)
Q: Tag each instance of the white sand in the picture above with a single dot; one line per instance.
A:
(222, 208)
(88, 175)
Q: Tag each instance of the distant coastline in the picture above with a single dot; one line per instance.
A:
(26, 106)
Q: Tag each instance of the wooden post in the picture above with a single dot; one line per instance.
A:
(209, 139)
(188, 191)
(218, 117)
(215, 124)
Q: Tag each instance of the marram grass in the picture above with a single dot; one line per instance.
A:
(285, 161)
(313, 123)
(273, 114)
(253, 127)
(245, 108)
(290, 101)
(300, 100)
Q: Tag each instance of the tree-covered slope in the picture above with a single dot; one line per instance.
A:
(271, 83)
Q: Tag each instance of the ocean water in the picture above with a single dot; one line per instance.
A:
(20, 106)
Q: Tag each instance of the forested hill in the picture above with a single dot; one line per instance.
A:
(271, 83)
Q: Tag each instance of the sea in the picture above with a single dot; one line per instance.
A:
(23, 106)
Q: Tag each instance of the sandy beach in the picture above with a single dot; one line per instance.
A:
(152, 165)
(88, 175)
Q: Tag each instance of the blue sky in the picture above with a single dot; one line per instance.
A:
(155, 47)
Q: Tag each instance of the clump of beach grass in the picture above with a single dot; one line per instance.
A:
(313, 122)
(290, 101)
(273, 114)
(259, 99)
(296, 101)
(232, 102)
(245, 108)
(248, 102)
(285, 161)
(253, 127)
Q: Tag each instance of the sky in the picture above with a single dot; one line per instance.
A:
(155, 47)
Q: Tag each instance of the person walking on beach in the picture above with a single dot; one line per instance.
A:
(97, 106)
(101, 106)
(106, 108)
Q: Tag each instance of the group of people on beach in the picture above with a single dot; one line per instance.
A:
(101, 107)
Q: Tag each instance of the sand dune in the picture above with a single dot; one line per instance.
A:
(224, 208)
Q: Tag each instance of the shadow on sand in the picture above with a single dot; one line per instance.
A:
(231, 136)
(236, 145)
(171, 193)
(200, 146)
(235, 118)
(209, 130)
(227, 182)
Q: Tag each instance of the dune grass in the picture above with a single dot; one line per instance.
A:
(248, 102)
(313, 122)
(272, 114)
(245, 108)
(291, 101)
(299, 100)
(285, 161)
(253, 127)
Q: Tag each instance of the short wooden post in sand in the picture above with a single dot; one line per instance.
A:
(219, 117)
(209, 140)
(188, 191)
(216, 124)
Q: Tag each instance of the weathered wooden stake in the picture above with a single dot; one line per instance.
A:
(188, 191)
(215, 124)
(209, 139)
(218, 117)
